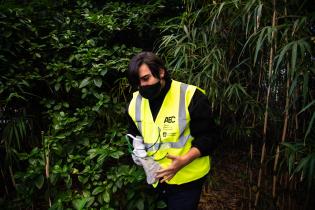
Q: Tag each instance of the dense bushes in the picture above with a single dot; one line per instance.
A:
(63, 98)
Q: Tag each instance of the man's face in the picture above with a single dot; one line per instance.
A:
(150, 86)
(146, 77)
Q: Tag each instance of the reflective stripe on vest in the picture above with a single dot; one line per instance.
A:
(138, 112)
(181, 114)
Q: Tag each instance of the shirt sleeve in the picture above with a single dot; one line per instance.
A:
(202, 126)
(132, 128)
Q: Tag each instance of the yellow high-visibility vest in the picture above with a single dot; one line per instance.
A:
(170, 132)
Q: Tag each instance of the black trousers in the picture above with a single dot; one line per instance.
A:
(181, 197)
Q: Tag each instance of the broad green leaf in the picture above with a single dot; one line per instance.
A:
(116, 154)
(161, 205)
(7, 34)
(39, 181)
(90, 201)
(140, 204)
(85, 82)
(106, 196)
(53, 178)
(98, 82)
(79, 203)
(98, 190)
(103, 72)
(68, 181)
(130, 195)
(83, 179)
(102, 158)
(57, 86)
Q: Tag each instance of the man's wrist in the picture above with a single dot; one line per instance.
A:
(192, 154)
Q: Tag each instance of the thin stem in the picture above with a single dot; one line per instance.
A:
(271, 58)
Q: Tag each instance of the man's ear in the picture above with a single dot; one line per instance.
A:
(162, 73)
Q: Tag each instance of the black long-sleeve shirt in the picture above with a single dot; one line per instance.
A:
(202, 126)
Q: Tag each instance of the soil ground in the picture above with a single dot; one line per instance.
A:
(226, 183)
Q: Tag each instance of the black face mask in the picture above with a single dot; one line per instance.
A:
(150, 91)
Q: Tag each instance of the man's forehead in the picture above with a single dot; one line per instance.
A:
(144, 70)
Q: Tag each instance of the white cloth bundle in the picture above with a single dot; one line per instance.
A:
(140, 157)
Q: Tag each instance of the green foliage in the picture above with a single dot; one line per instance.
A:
(64, 90)
(301, 161)
(64, 64)
(259, 76)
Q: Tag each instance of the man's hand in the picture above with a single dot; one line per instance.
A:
(169, 173)
(178, 162)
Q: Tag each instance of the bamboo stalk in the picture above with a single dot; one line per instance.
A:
(283, 137)
(263, 150)
(251, 149)
(46, 167)
(285, 123)
(12, 176)
(4, 182)
(250, 175)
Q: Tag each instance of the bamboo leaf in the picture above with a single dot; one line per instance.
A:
(220, 8)
(16, 95)
(305, 86)
(293, 58)
(310, 126)
(259, 10)
(308, 106)
(302, 165)
(17, 136)
(260, 41)
(293, 85)
(283, 51)
(311, 170)
(291, 161)
(186, 31)
(10, 136)
(290, 146)
(23, 127)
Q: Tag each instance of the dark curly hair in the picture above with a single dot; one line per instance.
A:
(154, 63)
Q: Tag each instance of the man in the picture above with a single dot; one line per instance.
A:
(174, 120)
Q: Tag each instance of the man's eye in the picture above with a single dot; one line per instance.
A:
(145, 78)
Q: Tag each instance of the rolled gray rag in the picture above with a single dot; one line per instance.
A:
(150, 168)
(140, 157)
